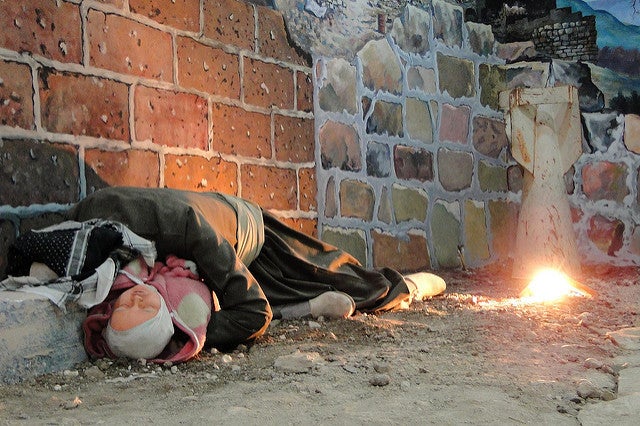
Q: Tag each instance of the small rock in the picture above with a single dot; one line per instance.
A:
(297, 362)
(380, 380)
(381, 367)
(592, 363)
(70, 405)
(70, 373)
(226, 358)
(94, 373)
(174, 369)
(586, 389)
(313, 325)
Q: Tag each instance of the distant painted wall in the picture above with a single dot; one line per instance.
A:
(413, 163)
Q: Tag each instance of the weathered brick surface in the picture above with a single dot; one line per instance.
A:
(605, 180)
(267, 84)
(308, 189)
(294, 139)
(230, 22)
(406, 253)
(208, 69)
(352, 241)
(33, 172)
(454, 123)
(339, 146)
(356, 199)
(181, 14)
(120, 44)
(121, 168)
(83, 105)
(48, 28)
(304, 92)
(272, 38)
(270, 187)
(489, 136)
(16, 95)
(413, 163)
(240, 132)
(200, 174)
(170, 118)
(306, 226)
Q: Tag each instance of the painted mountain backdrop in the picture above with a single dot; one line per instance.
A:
(611, 32)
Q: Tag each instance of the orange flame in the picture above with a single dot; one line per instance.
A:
(550, 285)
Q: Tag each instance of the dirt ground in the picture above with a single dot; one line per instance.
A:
(475, 355)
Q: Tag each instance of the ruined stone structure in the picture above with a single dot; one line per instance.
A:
(567, 35)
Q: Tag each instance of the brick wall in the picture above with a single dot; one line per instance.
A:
(200, 95)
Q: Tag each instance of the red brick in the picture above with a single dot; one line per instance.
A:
(170, 118)
(16, 95)
(119, 44)
(121, 168)
(270, 187)
(33, 172)
(180, 14)
(308, 190)
(304, 92)
(407, 253)
(81, 105)
(306, 226)
(294, 139)
(48, 28)
(208, 69)
(230, 22)
(240, 132)
(268, 85)
(272, 38)
(200, 174)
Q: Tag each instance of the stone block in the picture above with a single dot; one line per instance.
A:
(445, 229)
(380, 67)
(492, 80)
(413, 163)
(121, 168)
(50, 29)
(230, 22)
(208, 69)
(422, 79)
(454, 123)
(634, 242)
(120, 44)
(476, 235)
(353, 241)
(447, 23)
(455, 169)
(339, 146)
(601, 130)
(605, 180)
(405, 252)
(385, 209)
(337, 88)
(184, 15)
(357, 199)
(492, 177)
(503, 220)
(36, 337)
(489, 136)
(411, 30)
(82, 105)
(196, 173)
(16, 95)
(176, 119)
(632, 132)
(515, 178)
(409, 204)
(419, 120)
(33, 172)
(330, 200)
(480, 38)
(606, 234)
(629, 382)
(457, 76)
(268, 85)
(386, 119)
(378, 159)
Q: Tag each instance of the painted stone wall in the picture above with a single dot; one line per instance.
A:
(413, 162)
(199, 95)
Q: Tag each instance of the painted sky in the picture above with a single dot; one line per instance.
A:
(621, 9)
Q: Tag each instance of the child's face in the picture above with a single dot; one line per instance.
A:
(135, 306)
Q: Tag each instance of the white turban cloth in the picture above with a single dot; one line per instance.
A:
(146, 340)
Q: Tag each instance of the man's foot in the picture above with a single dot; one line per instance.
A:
(426, 285)
(332, 304)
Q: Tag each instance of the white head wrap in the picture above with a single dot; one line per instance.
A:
(146, 340)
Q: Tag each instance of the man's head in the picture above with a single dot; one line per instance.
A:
(140, 325)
